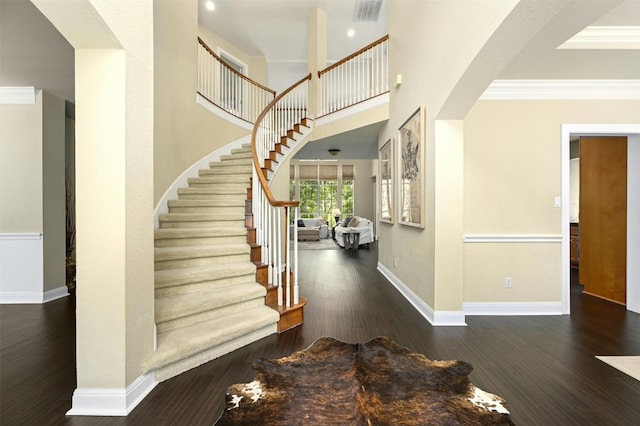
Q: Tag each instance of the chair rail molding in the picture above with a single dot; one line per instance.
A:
(512, 238)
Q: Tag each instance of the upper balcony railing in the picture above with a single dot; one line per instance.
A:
(360, 76)
(228, 89)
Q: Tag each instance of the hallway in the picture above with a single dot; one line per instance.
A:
(544, 366)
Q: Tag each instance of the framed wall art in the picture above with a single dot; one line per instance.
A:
(387, 181)
(411, 167)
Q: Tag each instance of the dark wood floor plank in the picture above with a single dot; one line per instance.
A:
(544, 366)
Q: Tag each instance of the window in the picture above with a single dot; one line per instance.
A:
(321, 189)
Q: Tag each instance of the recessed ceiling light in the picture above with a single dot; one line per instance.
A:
(210, 6)
(351, 32)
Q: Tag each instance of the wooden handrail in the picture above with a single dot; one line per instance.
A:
(242, 76)
(353, 55)
(256, 162)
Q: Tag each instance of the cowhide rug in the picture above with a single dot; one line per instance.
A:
(375, 383)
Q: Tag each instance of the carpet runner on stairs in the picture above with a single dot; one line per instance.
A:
(207, 300)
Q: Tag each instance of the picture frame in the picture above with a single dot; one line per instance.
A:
(411, 178)
(386, 169)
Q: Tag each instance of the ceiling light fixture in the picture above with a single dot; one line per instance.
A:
(334, 151)
(210, 6)
(351, 32)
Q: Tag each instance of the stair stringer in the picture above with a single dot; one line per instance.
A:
(301, 139)
(182, 181)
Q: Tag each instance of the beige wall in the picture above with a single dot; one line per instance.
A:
(257, 64)
(423, 36)
(21, 168)
(184, 132)
(32, 164)
(512, 172)
(53, 185)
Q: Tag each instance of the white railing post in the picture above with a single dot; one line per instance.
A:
(278, 269)
(296, 290)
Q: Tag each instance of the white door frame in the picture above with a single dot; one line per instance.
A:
(632, 131)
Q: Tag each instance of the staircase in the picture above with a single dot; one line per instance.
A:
(211, 291)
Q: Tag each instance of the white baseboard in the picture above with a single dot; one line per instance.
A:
(111, 402)
(435, 318)
(513, 308)
(56, 293)
(20, 297)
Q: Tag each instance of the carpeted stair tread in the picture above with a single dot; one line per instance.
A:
(186, 304)
(212, 232)
(186, 342)
(222, 191)
(243, 170)
(238, 163)
(230, 181)
(192, 252)
(244, 157)
(216, 204)
(182, 276)
(173, 237)
(198, 217)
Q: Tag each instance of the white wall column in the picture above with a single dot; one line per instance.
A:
(448, 267)
(114, 198)
(317, 55)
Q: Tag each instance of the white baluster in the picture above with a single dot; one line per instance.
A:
(296, 296)
(279, 255)
(287, 269)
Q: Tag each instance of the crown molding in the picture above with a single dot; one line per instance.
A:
(562, 89)
(605, 37)
(18, 95)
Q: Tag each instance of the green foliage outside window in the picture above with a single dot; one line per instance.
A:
(319, 198)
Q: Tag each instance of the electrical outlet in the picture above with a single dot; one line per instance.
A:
(395, 263)
(507, 282)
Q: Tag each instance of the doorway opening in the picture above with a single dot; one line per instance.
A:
(632, 132)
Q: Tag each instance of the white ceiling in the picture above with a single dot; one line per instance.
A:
(277, 29)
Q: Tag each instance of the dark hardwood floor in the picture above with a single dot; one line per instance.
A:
(544, 366)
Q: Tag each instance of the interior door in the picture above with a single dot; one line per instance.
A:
(603, 216)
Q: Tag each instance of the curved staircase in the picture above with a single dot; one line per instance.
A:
(211, 291)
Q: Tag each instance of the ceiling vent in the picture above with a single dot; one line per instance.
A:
(367, 10)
